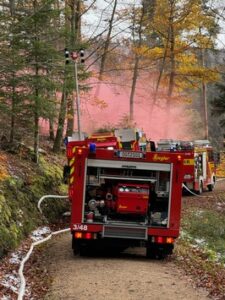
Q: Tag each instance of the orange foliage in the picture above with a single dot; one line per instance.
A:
(3, 167)
(220, 172)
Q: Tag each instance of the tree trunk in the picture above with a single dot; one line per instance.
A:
(36, 121)
(13, 114)
(70, 116)
(172, 70)
(37, 104)
(51, 130)
(133, 88)
(13, 103)
(136, 65)
(75, 27)
(204, 99)
(107, 42)
(61, 121)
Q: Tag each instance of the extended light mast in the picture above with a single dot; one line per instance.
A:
(75, 56)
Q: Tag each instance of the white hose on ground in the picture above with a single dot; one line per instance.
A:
(25, 259)
(49, 196)
(184, 186)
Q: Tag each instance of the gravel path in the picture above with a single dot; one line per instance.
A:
(129, 276)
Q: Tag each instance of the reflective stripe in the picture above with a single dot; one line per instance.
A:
(74, 149)
(71, 162)
(71, 180)
(72, 170)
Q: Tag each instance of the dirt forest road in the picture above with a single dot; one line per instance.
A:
(126, 276)
(129, 276)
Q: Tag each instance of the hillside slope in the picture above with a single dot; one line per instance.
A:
(22, 183)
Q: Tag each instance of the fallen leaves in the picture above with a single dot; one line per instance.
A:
(3, 167)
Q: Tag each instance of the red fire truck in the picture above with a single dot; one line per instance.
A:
(122, 198)
(199, 167)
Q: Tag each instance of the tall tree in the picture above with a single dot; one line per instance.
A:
(177, 24)
(218, 104)
(40, 54)
(11, 64)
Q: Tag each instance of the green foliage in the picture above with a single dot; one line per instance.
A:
(206, 228)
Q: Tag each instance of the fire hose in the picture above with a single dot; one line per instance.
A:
(191, 192)
(25, 259)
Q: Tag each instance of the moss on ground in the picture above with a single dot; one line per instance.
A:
(19, 195)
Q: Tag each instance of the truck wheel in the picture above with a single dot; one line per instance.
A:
(84, 251)
(154, 252)
(211, 186)
(150, 253)
(158, 251)
(75, 247)
(200, 191)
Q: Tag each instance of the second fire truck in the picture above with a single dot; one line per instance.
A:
(200, 167)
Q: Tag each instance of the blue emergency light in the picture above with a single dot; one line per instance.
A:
(92, 147)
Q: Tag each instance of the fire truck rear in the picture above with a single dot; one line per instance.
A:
(199, 165)
(124, 198)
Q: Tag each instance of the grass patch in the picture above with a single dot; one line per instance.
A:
(206, 229)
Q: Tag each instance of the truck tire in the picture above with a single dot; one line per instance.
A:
(154, 251)
(211, 186)
(200, 191)
(76, 247)
(84, 250)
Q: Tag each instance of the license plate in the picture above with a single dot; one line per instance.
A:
(130, 154)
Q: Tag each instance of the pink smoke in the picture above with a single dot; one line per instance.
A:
(107, 103)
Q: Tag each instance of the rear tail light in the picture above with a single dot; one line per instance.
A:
(88, 235)
(85, 235)
(78, 235)
(169, 240)
(159, 240)
(162, 240)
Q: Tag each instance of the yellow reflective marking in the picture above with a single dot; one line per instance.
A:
(71, 162)
(74, 149)
(71, 170)
(71, 180)
(189, 162)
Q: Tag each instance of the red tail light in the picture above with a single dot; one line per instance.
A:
(88, 235)
(159, 240)
(162, 240)
(84, 235)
